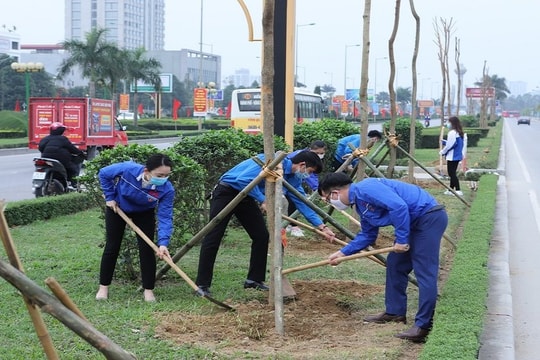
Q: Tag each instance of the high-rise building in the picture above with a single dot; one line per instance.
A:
(130, 24)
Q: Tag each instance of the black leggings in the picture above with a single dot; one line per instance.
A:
(114, 230)
(451, 167)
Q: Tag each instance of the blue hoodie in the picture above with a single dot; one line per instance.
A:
(242, 174)
(122, 182)
(343, 148)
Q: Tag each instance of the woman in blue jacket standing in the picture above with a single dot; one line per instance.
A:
(145, 195)
(453, 153)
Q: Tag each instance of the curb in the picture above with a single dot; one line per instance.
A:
(497, 339)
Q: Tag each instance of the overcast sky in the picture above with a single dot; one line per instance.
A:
(502, 33)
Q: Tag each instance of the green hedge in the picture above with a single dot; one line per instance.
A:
(43, 208)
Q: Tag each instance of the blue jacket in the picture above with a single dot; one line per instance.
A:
(122, 182)
(242, 174)
(453, 147)
(313, 180)
(384, 202)
(344, 149)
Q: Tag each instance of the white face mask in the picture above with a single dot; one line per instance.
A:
(321, 156)
(449, 125)
(338, 203)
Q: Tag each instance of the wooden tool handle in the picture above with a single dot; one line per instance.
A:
(339, 260)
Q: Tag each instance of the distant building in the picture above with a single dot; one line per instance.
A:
(190, 66)
(517, 88)
(10, 42)
(243, 78)
(130, 24)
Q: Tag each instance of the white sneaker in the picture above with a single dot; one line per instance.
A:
(296, 231)
(448, 192)
(459, 192)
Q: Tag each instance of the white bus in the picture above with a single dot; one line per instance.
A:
(246, 109)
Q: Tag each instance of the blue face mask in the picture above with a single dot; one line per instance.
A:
(158, 181)
(302, 175)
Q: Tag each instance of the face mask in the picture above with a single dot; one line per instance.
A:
(449, 125)
(321, 156)
(338, 204)
(301, 174)
(158, 180)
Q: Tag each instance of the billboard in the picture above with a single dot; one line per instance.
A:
(480, 92)
(166, 85)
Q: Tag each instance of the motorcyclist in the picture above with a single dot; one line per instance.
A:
(57, 146)
(427, 118)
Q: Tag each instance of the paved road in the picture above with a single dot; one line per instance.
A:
(512, 327)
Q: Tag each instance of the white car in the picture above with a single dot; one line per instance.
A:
(126, 116)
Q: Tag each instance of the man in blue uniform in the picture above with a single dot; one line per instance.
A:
(419, 223)
(343, 151)
(249, 213)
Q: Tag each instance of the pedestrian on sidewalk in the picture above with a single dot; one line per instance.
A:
(419, 223)
(453, 152)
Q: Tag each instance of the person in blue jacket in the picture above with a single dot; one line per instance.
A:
(453, 152)
(319, 148)
(249, 213)
(343, 151)
(419, 223)
(144, 193)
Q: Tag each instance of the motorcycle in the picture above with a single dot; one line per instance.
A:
(50, 178)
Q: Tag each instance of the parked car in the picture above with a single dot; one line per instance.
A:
(126, 116)
(524, 120)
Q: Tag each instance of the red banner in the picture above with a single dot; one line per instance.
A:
(176, 105)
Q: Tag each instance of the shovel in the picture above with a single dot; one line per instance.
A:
(169, 261)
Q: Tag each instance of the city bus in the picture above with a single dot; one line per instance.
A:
(246, 109)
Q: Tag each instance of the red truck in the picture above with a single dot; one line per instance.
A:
(90, 123)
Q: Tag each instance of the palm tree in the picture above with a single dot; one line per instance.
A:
(501, 90)
(112, 70)
(138, 67)
(90, 56)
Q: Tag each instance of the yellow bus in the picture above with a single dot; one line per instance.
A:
(246, 109)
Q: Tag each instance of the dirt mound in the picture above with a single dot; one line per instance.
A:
(324, 321)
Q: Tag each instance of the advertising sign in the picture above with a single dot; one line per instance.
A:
(124, 102)
(352, 94)
(166, 85)
(200, 105)
(480, 92)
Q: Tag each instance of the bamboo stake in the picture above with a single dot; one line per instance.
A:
(55, 308)
(339, 260)
(64, 298)
(35, 315)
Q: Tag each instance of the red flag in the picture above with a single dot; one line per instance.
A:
(228, 113)
(140, 109)
(176, 105)
(17, 106)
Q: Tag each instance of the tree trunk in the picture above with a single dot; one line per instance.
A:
(364, 114)
(412, 134)
(393, 103)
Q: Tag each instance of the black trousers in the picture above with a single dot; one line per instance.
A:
(451, 167)
(251, 218)
(114, 230)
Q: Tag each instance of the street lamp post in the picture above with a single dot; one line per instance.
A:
(27, 68)
(296, 53)
(345, 72)
(375, 81)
